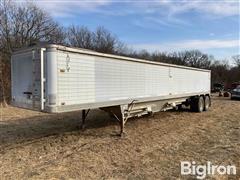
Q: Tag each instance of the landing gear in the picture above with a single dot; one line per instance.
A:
(122, 125)
(123, 112)
(84, 116)
(118, 113)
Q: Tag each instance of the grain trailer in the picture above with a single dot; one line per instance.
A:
(55, 79)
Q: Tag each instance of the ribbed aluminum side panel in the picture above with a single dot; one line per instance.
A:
(89, 79)
(76, 84)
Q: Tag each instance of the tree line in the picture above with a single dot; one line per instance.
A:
(25, 24)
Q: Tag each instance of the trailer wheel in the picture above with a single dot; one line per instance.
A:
(200, 106)
(207, 103)
(197, 104)
(193, 104)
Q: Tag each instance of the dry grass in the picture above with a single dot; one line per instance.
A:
(42, 146)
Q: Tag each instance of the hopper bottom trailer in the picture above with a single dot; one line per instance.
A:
(54, 78)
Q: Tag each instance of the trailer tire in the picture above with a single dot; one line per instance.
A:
(207, 103)
(197, 104)
(193, 104)
(200, 105)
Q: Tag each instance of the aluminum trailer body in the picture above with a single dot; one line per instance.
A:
(54, 78)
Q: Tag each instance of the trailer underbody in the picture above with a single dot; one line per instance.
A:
(123, 112)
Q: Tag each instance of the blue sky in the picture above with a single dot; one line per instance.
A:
(165, 25)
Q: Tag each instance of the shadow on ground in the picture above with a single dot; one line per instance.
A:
(37, 127)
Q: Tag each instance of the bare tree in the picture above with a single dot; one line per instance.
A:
(195, 58)
(236, 60)
(100, 40)
(21, 25)
(80, 37)
(57, 36)
(104, 41)
(220, 71)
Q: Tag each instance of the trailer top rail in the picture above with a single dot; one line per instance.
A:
(94, 53)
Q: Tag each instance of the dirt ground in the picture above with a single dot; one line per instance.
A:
(36, 145)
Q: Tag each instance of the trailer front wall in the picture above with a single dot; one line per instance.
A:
(93, 79)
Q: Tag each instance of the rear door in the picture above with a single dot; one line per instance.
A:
(27, 86)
